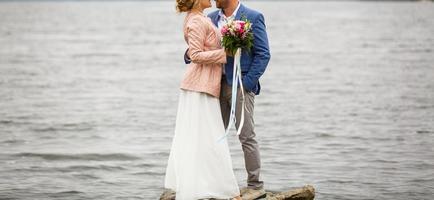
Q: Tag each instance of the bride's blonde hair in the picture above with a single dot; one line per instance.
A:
(186, 5)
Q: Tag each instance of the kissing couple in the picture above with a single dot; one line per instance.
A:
(199, 164)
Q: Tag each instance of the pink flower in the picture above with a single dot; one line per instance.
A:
(224, 30)
(242, 23)
(237, 27)
(241, 31)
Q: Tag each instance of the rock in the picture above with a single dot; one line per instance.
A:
(168, 195)
(304, 193)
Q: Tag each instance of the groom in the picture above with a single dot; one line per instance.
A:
(253, 66)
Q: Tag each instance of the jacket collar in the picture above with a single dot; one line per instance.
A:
(238, 15)
(240, 12)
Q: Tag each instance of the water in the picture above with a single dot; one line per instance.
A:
(88, 96)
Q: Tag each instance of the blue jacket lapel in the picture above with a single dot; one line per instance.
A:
(215, 19)
(240, 12)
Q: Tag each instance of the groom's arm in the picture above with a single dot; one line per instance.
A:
(261, 54)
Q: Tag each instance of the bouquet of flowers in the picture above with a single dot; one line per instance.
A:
(237, 34)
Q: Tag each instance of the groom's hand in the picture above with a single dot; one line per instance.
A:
(187, 59)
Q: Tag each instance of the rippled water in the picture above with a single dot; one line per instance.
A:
(88, 96)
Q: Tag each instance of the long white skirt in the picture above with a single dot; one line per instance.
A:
(199, 165)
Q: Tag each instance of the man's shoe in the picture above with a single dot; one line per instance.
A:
(252, 194)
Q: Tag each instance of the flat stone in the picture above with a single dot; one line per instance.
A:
(303, 193)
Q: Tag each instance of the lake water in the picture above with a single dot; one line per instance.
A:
(89, 91)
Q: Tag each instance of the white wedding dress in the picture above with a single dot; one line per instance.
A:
(199, 165)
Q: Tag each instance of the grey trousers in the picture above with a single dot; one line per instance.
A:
(247, 137)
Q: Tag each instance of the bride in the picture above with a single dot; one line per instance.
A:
(200, 165)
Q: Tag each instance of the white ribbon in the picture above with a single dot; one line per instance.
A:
(236, 79)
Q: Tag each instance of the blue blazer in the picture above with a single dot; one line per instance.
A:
(253, 64)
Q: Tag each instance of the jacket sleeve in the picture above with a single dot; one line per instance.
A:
(196, 36)
(260, 53)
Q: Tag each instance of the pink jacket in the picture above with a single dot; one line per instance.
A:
(204, 73)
